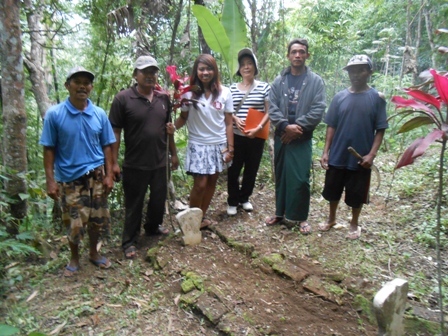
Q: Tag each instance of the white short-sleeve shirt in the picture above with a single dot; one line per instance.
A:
(206, 123)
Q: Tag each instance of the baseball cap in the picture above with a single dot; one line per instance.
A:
(78, 70)
(247, 52)
(145, 61)
(359, 60)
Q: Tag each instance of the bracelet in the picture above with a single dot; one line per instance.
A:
(261, 126)
(175, 128)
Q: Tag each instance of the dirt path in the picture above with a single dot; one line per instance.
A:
(248, 279)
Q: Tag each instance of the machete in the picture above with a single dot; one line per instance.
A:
(374, 168)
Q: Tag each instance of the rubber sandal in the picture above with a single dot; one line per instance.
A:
(353, 235)
(303, 228)
(273, 220)
(70, 271)
(102, 263)
(130, 252)
(206, 222)
(161, 230)
(324, 227)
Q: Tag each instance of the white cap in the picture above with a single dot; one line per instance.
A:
(144, 62)
(78, 70)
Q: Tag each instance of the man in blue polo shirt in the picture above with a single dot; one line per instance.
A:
(77, 138)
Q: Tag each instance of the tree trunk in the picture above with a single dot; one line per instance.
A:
(35, 59)
(14, 115)
(429, 32)
(204, 48)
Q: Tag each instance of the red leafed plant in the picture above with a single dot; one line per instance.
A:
(430, 109)
(180, 87)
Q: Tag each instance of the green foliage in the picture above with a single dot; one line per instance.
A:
(235, 27)
(226, 37)
(214, 32)
(6, 330)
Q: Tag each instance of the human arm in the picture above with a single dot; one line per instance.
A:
(277, 107)
(328, 140)
(173, 151)
(313, 102)
(229, 134)
(52, 185)
(367, 160)
(108, 180)
(114, 152)
(182, 120)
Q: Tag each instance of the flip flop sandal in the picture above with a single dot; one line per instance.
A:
(102, 263)
(70, 271)
(303, 228)
(273, 220)
(353, 235)
(128, 251)
(325, 227)
(161, 230)
(206, 222)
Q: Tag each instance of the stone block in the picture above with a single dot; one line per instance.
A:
(190, 222)
(389, 304)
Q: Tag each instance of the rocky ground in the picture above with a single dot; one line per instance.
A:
(244, 278)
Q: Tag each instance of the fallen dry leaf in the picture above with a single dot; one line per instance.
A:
(95, 319)
(176, 299)
(56, 330)
(32, 296)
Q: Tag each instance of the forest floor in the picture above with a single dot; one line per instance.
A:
(247, 278)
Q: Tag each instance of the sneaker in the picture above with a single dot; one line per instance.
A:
(231, 210)
(247, 206)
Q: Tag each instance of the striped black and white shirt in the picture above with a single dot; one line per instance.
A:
(255, 99)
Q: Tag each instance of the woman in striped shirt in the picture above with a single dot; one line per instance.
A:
(248, 148)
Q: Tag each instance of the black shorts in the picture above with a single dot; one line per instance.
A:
(355, 182)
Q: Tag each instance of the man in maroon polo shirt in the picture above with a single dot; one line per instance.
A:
(143, 114)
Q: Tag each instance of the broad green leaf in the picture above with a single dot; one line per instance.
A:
(213, 31)
(414, 123)
(8, 330)
(235, 27)
(23, 196)
(35, 333)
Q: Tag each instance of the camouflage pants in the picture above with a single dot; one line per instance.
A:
(84, 205)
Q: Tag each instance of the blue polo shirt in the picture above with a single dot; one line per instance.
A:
(78, 138)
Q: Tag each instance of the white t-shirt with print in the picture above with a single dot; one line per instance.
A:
(206, 124)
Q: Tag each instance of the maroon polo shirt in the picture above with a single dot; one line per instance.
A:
(144, 125)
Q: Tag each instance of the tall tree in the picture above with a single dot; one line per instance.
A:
(14, 115)
(35, 58)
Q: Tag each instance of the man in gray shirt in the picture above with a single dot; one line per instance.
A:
(296, 107)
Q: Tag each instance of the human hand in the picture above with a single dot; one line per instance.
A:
(174, 162)
(170, 128)
(239, 123)
(367, 161)
(53, 190)
(324, 161)
(116, 172)
(291, 133)
(108, 183)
